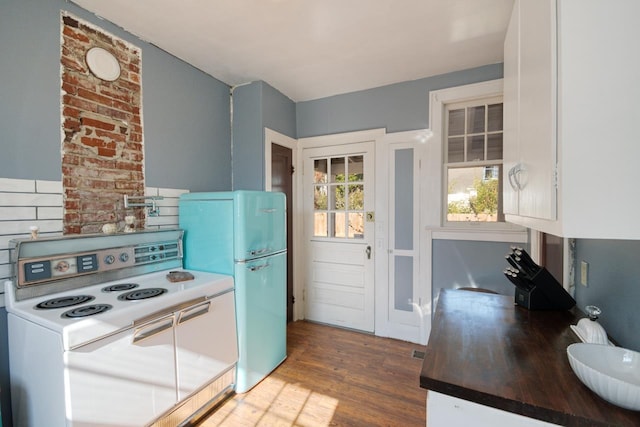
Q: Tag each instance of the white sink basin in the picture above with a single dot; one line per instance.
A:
(613, 373)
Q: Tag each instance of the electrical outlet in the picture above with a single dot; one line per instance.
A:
(584, 273)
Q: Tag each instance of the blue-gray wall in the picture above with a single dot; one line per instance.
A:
(398, 107)
(614, 286)
(255, 106)
(459, 263)
(185, 112)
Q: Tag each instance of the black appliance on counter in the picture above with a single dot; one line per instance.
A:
(536, 288)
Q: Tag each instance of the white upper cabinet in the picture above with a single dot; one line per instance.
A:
(571, 118)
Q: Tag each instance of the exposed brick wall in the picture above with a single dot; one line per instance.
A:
(102, 147)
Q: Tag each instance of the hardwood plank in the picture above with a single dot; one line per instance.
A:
(333, 377)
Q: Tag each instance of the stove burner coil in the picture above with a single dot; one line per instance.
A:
(84, 311)
(120, 287)
(139, 294)
(62, 302)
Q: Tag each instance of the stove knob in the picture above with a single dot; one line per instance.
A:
(109, 259)
(124, 257)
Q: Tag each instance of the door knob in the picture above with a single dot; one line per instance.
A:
(368, 252)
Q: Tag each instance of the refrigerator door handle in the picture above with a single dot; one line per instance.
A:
(258, 267)
(259, 251)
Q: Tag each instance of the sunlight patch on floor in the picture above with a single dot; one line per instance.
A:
(274, 402)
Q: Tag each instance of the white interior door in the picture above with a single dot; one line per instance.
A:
(401, 295)
(404, 300)
(338, 187)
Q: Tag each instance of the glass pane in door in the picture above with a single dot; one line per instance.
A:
(403, 193)
(356, 197)
(336, 197)
(338, 224)
(320, 225)
(356, 225)
(356, 168)
(339, 193)
(403, 283)
(320, 171)
(337, 169)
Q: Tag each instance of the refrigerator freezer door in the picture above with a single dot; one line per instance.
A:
(261, 316)
(208, 233)
(263, 231)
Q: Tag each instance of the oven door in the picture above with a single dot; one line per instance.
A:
(127, 379)
(206, 344)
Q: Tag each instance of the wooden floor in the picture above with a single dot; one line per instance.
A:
(333, 377)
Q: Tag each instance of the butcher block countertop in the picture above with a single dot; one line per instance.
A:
(487, 350)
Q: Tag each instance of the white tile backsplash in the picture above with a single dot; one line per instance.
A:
(30, 199)
(25, 202)
(49, 187)
(17, 185)
(8, 213)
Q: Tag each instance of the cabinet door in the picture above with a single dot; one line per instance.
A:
(537, 109)
(511, 149)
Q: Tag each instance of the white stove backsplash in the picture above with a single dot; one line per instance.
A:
(27, 202)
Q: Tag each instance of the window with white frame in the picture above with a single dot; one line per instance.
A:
(473, 161)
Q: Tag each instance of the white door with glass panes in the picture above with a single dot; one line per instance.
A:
(339, 232)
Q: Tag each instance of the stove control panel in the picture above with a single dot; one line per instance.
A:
(40, 270)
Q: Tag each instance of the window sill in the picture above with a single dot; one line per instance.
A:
(512, 235)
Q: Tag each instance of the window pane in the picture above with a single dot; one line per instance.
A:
(494, 147)
(337, 197)
(320, 224)
(356, 168)
(475, 119)
(475, 148)
(494, 117)
(320, 171)
(320, 197)
(338, 221)
(356, 225)
(473, 194)
(337, 169)
(455, 150)
(356, 197)
(456, 122)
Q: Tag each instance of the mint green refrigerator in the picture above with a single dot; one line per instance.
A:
(243, 233)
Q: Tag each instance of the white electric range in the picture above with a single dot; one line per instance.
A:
(111, 331)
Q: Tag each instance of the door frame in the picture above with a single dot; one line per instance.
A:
(273, 137)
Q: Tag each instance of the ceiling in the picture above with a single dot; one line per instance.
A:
(310, 49)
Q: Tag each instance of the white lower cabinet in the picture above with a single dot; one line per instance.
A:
(448, 411)
(571, 112)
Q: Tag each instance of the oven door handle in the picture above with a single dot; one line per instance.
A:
(153, 328)
(193, 312)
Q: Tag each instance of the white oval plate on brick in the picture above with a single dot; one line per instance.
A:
(103, 64)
